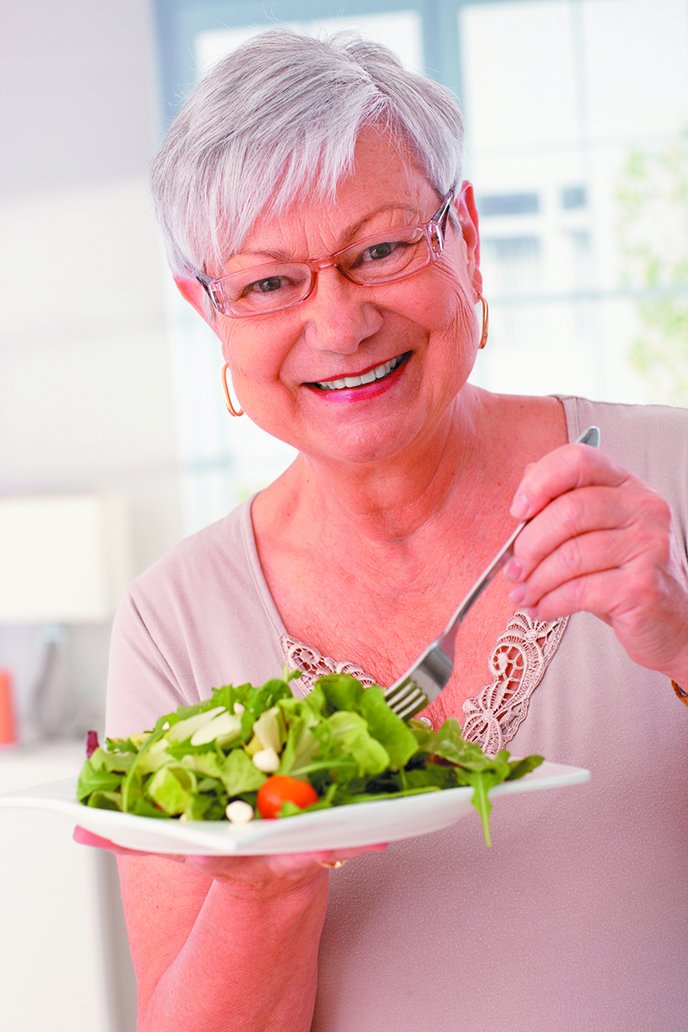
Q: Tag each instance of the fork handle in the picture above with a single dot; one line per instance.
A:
(447, 639)
(591, 437)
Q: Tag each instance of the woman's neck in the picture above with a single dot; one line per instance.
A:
(390, 502)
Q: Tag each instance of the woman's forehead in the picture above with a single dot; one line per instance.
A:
(385, 185)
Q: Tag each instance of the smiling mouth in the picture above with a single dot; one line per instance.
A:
(377, 373)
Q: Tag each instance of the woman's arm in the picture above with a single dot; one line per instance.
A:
(224, 945)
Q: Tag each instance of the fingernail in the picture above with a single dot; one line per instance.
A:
(519, 506)
(518, 594)
(513, 570)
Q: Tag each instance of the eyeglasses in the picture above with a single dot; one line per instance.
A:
(384, 258)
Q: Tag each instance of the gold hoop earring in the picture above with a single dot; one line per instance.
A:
(486, 322)
(231, 408)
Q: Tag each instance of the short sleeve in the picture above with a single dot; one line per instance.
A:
(141, 684)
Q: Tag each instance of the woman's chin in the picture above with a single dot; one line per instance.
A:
(365, 445)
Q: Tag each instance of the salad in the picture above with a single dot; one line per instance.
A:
(257, 753)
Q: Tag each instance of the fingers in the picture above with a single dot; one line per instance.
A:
(336, 858)
(587, 516)
(242, 868)
(566, 519)
(583, 533)
(595, 592)
(254, 870)
(87, 838)
(271, 869)
(564, 469)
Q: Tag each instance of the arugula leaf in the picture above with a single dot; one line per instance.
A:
(519, 768)
(482, 781)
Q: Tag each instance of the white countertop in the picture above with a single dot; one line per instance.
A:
(22, 766)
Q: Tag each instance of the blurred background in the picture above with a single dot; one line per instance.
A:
(114, 440)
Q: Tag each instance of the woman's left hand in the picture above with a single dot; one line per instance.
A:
(601, 540)
(242, 869)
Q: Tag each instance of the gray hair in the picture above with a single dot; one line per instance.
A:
(279, 117)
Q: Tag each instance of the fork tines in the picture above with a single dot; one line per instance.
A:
(406, 698)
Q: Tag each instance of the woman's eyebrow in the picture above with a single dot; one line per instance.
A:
(352, 231)
(350, 234)
(263, 252)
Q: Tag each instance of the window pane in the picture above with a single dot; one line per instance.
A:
(398, 30)
(511, 264)
(581, 179)
(636, 67)
(518, 73)
(538, 347)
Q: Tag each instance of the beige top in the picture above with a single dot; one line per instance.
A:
(577, 919)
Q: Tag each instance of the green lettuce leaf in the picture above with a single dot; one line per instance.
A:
(385, 726)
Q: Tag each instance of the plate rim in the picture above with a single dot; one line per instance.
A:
(225, 839)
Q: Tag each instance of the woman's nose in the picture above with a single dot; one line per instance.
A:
(340, 314)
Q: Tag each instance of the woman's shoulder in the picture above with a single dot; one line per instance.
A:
(199, 616)
(641, 430)
(192, 564)
(650, 440)
(625, 417)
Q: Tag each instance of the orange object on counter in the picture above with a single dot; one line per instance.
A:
(8, 733)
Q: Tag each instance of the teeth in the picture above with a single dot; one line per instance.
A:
(378, 373)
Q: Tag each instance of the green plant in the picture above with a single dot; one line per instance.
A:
(652, 200)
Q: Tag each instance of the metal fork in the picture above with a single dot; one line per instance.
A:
(424, 681)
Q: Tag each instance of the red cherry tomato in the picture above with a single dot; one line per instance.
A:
(280, 789)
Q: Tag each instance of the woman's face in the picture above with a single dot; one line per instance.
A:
(425, 325)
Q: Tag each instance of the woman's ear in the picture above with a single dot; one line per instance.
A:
(192, 291)
(467, 214)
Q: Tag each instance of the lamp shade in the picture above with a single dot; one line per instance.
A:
(63, 558)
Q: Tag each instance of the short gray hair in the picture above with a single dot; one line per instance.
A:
(280, 116)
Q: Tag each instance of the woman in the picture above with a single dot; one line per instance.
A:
(313, 204)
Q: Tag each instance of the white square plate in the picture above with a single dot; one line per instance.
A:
(341, 827)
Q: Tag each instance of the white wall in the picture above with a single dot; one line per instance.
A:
(86, 375)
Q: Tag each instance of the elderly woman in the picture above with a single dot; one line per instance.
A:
(312, 199)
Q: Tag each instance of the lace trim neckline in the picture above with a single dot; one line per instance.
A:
(518, 661)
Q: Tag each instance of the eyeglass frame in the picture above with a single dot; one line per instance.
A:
(433, 230)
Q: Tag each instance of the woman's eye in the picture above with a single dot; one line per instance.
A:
(265, 286)
(384, 251)
(378, 251)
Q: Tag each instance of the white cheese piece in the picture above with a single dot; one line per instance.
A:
(266, 760)
(239, 812)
